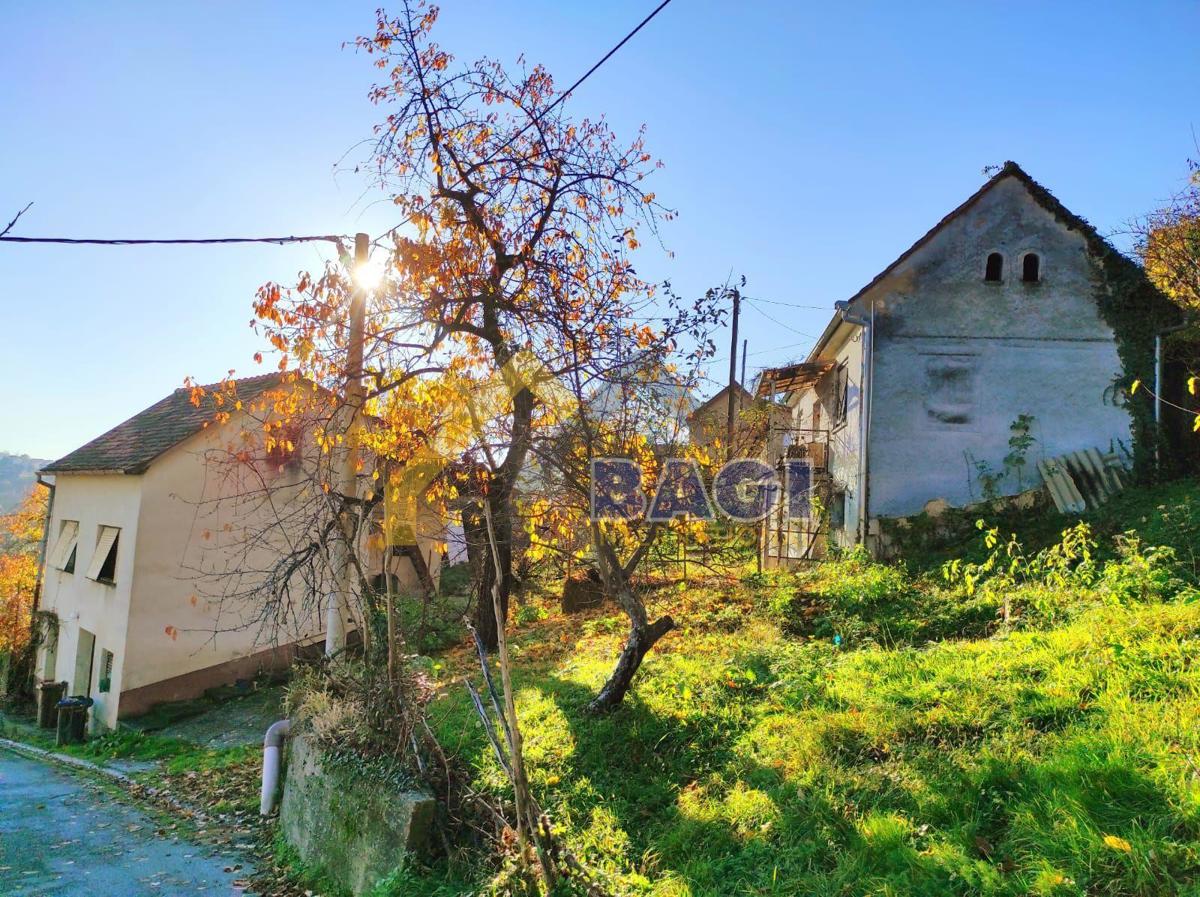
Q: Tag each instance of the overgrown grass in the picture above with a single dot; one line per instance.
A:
(898, 740)
(129, 744)
(853, 602)
(1166, 514)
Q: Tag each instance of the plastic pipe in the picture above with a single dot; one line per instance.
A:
(272, 749)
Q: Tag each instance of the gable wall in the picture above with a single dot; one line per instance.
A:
(709, 423)
(958, 359)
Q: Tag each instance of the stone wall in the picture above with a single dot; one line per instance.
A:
(356, 827)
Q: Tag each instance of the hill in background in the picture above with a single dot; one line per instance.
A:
(17, 476)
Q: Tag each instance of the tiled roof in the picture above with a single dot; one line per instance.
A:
(131, 447)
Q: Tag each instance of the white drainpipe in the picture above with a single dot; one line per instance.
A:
(864, 405)
(272, 750)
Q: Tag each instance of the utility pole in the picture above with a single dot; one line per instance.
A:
(743, 380)
(342, 553)
(737, 304)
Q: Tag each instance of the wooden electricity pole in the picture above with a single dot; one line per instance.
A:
(737, 304)
(342, 549)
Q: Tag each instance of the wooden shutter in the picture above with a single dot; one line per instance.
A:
(108, 537)
(67, 537)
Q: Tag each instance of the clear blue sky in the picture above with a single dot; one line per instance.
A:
(806, 146)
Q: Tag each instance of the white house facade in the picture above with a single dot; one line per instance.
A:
(147, 542)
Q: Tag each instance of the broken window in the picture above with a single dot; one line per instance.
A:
(103, 567)
(1029, 268)
(950, 388)
(995, 268)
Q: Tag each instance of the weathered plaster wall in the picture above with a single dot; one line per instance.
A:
(193, 562)
(196, 567)
(957, 359)
(845, 348)
(82, 603)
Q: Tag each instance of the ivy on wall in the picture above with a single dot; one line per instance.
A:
(1135, 310)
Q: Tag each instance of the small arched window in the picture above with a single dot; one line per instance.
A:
(995, 268)
(1031, 268)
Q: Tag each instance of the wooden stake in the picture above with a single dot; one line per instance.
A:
(521, 793)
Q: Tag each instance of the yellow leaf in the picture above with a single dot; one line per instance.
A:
(1192, 385)
(1117, 843)
(1134, 388)
(1196, 424)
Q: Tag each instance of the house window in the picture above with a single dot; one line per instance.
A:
(837, 510)
(106, 667)
(284, 448)
(841, 394)
(1030, 266)
(62, 555)
(994, 271)
(103, 567)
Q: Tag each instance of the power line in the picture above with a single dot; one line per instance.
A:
(642, 24)
(828, 308)
(71, 241)
(775, 320)
(566, 93)
(777, 348)
(758, 352)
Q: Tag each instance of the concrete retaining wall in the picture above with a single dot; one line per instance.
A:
(355, 827)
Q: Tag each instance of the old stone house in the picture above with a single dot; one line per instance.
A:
(994, 317)
(154, 542)
(753, 421)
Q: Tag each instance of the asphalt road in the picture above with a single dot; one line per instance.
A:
(62, 836)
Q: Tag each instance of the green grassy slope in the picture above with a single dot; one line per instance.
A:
(858, 730)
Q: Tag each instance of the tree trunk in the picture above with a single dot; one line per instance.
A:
(642, 633)
(484, 568)
(641, 639)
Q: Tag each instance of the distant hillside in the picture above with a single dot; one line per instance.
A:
(16, 478)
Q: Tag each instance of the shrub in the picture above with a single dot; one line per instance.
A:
(1141, 573)
(853, 600)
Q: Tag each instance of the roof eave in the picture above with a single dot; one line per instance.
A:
(88, 471)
